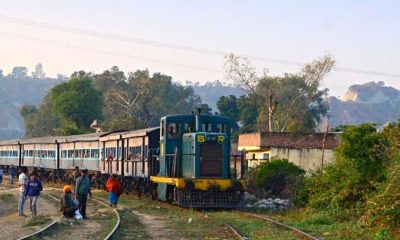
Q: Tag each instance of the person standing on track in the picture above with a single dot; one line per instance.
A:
(1, 174)
(13, 172)
(33, 189)
(22, 181)
(76, 174)
(82, 189)
(114, 189)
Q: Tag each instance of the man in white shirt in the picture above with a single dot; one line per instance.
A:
(22, 181)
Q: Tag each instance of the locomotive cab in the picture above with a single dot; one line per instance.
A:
(195, 162)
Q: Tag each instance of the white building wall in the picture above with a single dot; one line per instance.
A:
(307, 159)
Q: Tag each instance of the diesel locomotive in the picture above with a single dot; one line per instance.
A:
(186, 160)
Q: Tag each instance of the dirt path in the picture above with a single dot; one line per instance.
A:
(156, 227)
(14, 226)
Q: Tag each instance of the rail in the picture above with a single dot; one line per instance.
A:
(117, 224)
(52, 223)
(298, 231)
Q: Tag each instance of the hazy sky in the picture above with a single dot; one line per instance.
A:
(359, 34)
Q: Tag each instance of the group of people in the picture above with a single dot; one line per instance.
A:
(29, 188)
(12, 171)
(81, 192)
(71, 200)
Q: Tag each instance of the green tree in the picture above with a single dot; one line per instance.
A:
(19, 72)
(292, 102)
(361, 159)
(38, 73)
(229, 106)
(76, 102)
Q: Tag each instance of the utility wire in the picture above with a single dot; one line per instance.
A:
(109, 52)
(79, 31)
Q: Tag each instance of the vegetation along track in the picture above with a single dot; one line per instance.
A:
(298, 232)
(100, 202)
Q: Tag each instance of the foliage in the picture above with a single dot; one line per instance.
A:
(76, 103)
(360, 165)
(229, 106)
(291, 102)
(19, 72)
(121, 103)
(38, 73)
(278, 178)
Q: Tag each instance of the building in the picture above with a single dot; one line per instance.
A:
(307, 151)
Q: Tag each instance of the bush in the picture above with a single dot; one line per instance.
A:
(360, 166)
(279, 178)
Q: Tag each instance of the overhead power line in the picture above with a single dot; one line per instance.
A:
(110, 52)
(97, 34)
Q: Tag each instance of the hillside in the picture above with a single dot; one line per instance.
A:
(14, 92)
(370, 102)
(212, 91)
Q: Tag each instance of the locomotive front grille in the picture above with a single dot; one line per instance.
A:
(211, 159)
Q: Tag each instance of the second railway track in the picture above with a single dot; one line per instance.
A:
(50, 229)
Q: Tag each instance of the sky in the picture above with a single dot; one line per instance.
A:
(188, 39)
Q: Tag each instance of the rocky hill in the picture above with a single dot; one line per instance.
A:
(14, 92)
(370, 102)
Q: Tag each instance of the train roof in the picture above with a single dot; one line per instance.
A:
(64, 139)
(9, 142)
(129, 134)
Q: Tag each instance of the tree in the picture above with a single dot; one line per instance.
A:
(205, 109)
(38, 73)
(19, 72)
(77, 102)
(240, 71)
(229, 106)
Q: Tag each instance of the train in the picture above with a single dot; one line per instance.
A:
(186, 160)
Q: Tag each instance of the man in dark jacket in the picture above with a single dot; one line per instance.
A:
(32, 190)
(82, 189)
(13, 172)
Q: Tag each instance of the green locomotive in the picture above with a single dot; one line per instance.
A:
(194, 167)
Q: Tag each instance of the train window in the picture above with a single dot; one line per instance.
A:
(162, 128)
(71, 154)
(119, 154)
(64, 153)
(146, 151)
(94, 153)
(221, 128)
(31, 153)
(189, 127)
(173, 130)
(135, 153)
(206, 127)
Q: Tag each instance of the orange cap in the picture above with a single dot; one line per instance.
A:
(67, 188)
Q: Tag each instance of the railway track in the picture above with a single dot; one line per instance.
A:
(298, 232)
(99, 201)
(55, 221)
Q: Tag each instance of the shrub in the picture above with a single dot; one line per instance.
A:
(279, 178)
(360, 166)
